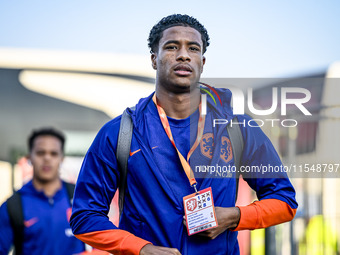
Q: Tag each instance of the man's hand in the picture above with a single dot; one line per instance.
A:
(150, 249)
(227, 217)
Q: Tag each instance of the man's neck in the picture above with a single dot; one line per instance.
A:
(178, 106)
(49, 188)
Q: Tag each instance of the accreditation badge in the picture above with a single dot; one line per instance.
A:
(199, 211)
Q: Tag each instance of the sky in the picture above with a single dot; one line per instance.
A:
(266, 39)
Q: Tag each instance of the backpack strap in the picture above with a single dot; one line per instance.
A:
(70, 191)
(237, 144)
(123, 152)
(16, 217)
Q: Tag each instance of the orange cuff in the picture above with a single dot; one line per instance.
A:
(115, 241)
(248, 218)
(264, 213)
(132, 245)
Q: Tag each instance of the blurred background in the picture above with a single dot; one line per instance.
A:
(76, 64)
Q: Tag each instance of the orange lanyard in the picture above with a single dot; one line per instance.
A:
(185, 162)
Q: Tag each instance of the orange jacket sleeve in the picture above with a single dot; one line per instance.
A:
(114, 241)
(264, 213)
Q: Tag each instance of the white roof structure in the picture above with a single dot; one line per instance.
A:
(76, 92)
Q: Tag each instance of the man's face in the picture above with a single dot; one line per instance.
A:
(179, 60)
(46, 157)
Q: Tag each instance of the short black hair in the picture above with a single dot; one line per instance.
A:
(46, 131)
(156, 32)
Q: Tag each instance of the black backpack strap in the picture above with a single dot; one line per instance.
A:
(16, 217)
(237, 144)
(123, 152)
(70, 191)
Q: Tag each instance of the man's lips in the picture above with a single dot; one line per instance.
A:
(46, 168)
(183, 70)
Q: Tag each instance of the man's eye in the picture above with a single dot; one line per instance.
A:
(40, 153)
(54, 154)
(194, 49)
(171, 47)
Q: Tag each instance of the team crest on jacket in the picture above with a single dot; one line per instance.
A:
(226, 150)
(207, 144)
(207, 147)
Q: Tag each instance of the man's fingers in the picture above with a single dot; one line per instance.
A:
(165, 250)
(172, 251)
(150, 249)
(208, 234)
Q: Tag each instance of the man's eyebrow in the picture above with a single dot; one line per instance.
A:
(171, 41)
(177, 42)
(195, 43)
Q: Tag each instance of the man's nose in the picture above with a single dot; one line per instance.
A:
(47, 156)
(183, 55)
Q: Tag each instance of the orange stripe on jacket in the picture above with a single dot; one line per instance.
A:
(264, 213)
(115, 241)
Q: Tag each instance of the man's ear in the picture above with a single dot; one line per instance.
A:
(203, 63)
(28, 158)
(153, 61)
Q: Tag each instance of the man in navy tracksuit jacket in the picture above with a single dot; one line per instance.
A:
(45, 203)
(152, 219)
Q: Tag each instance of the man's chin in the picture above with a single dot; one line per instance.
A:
(184, 87)
(45, 179)
(179, 89)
